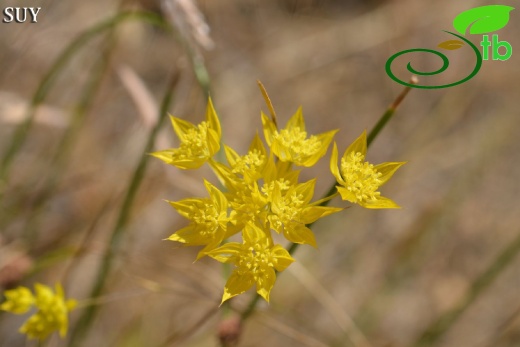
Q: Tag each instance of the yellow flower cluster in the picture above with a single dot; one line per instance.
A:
(263, 194)
(52, 308)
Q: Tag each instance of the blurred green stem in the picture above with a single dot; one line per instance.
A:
(332, 190)
(59, 161)
(87, 316)
(441, 325)
(21, 132)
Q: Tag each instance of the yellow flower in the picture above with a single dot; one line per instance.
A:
(256, 260)
(251, 165)
(209, 220)
(52, 311)
(198, 143)
(291, 212)
(292, 143)
(359, 179)
(19, 300)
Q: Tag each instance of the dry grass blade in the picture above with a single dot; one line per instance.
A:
(321, 295)
(140, 94)
(13, 110)
(288, 331)
(189, 21)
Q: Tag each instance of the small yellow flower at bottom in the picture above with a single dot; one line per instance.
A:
(19, 300)
(52, 311)
(256, 260)
(359, 179)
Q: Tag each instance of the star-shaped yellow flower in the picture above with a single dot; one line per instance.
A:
(198, 142)
(256, 260)
(250, 166)
(291, 211)
(359, 179)
(292, 144)
(209, 218)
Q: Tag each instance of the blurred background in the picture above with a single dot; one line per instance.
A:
(443, 266)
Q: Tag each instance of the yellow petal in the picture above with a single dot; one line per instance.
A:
(313, 213)
(299, 233)
(387, 170)
(213, 139)
(231, 155)
(269, 172)
(181, 126)
(252, 235)
(212, 118)
(165, 155)
(334, 164)
(265, 283)
(185, 207)
(227, 252)
(283, 258)
(237, 284)
(359, 145)
(188, 164)
(296, 121)
(71, 304)
(347, 194)
(188, 235)
(306, 189)
(258, 145)
(269, 129)
(216, 196)
(381, 202)
(325, 140)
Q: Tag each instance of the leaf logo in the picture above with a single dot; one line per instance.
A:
(482, 20)
(451, 45)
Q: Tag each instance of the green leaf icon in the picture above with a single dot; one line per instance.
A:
(451, 45)
(482, 20)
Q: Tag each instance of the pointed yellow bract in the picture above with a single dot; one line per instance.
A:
(198, 142)
(359, 180)
(292, 144)
(52, 314)
(256, 260)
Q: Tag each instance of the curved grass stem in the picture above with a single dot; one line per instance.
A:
(87, 316)
(22, 131)
(436, 330)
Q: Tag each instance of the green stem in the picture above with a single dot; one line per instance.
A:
(21, 132)
(87, 317)
(332, 190)
(440, 326)
(66, 143)
(389, 113)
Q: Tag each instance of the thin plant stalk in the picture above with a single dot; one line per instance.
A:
(332, 190)
(87, 317)
(22, 131)
(436, 330)
(66, 143)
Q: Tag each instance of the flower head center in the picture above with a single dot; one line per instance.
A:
(296, 140)
(251, 162)
(207, 217)
(194, 143)
(361, 178)
(256, 259)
